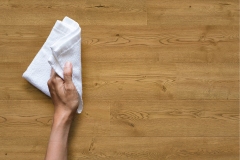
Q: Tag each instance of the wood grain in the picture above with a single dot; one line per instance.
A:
(131, 81)
(175, 118)
(197, 12)
(177, 44)
(26, 115)
(92, 12)
(223, 148)
(160, 79)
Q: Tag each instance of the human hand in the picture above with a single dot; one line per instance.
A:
(64, 94)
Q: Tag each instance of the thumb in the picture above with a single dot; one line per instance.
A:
(67, 72)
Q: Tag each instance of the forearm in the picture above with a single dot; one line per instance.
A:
(57, 146)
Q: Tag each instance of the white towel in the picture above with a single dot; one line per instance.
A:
(62, 45)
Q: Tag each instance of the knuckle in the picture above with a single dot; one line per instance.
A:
(49, 82)
(69, 87)
(67, 73)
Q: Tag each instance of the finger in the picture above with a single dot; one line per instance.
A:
(53, 73)
(68, 73)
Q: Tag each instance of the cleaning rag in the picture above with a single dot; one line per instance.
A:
(62, 45)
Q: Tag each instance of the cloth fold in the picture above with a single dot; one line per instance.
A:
(62, 45)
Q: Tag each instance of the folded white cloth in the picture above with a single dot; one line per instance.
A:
(62, 45)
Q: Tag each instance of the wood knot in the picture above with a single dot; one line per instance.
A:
(164, 89)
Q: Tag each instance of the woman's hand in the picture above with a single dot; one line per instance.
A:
(64, 94)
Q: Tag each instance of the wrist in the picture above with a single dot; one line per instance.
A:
(62, 119)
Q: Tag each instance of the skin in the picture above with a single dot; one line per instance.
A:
(66, 100)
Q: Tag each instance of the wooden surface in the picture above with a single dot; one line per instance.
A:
(160, 79)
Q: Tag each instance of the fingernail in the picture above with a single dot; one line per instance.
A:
(68, 64)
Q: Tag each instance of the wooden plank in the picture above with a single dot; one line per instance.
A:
(128, 118)
(195, 12)
(91, 12)
(175, 118)
(136, 81)
(210, 44)
(182, 148)
(34, 118)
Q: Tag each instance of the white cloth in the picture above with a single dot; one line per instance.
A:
(62, 45)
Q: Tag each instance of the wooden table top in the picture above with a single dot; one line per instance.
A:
(160, 79)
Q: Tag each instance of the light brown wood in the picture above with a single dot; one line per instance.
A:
(160, 79)
(196, 12)
(183, 148)
(92, 12)
(174, 118)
